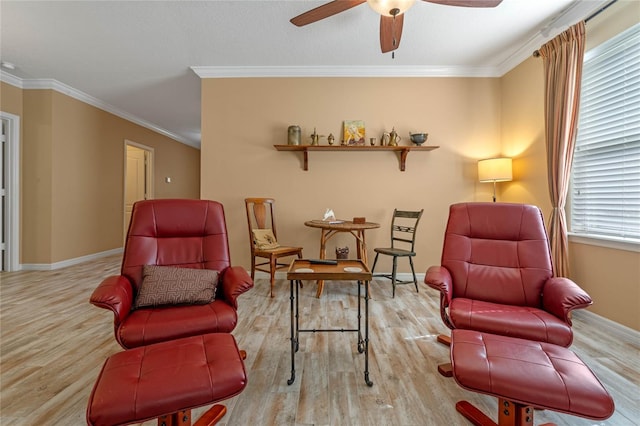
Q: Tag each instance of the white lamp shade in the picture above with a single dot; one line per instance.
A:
(384, 7)
(495, 170)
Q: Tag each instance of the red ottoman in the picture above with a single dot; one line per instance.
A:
(524, 374)
(167, 379)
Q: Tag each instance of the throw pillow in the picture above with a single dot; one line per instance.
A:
(170, 285)
(264, 239)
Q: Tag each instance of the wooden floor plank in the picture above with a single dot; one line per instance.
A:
(53, 344)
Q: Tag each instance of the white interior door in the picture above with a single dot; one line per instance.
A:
(3, 201)
(9, 192)
(136, 180)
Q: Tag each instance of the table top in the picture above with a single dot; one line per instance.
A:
(345, 225)
(303, 269)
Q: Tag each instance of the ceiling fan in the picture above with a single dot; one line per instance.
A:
(391, 15)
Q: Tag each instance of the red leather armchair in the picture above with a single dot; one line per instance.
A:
(184, 233)
(496, 276)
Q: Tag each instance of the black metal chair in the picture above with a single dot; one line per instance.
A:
(403, 239)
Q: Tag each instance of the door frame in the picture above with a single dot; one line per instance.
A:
(149, 173)
(12, 195)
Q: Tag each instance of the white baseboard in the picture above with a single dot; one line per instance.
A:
(68, 262)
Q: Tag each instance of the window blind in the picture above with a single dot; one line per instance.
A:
(605, 185)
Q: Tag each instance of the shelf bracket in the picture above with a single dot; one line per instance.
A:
(403, 159)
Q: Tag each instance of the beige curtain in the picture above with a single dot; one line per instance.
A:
(562, 58)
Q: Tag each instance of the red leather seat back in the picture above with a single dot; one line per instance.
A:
(185, 233)
(497, 252)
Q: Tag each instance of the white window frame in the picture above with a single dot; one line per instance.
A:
(587, 236)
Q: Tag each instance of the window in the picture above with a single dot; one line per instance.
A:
(605, 190)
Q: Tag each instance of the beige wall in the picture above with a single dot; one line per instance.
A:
(243, 118)
(36, 174)
(469, 118)
(72, 174)
(612, 278)
(10, 99)
(523, 135)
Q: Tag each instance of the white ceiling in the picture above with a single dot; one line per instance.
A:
(142, 59)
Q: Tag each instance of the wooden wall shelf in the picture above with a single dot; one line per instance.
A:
(403, 150)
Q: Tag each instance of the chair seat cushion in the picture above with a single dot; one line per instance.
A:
(508, 320)
(152, 325)
(531, 373)
(151, 381)
(279, 251)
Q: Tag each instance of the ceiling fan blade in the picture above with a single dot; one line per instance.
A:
(324, 11)
(466, 3)
(390, 32)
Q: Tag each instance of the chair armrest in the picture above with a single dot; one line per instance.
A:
(438, 277)
(561, 295)
(115, 293)
(235, 281)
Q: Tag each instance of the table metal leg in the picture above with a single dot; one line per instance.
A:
(298, 285)
(366, 334)
(360, 339)
(294, 339)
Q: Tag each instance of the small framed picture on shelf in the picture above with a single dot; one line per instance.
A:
(353, 132)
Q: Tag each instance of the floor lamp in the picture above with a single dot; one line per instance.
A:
(495, 170)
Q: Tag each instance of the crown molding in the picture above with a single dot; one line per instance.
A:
(342, 71)
(5, 77)
(51, 84)
(573, 14)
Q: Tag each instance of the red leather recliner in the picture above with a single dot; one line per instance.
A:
(496, 276)
(184, 233)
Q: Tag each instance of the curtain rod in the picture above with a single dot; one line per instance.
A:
(599, 11)
(536, 53)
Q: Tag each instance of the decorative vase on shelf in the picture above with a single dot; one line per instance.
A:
(293, 135)
(394, 138)
(315, 137)
(384, 140)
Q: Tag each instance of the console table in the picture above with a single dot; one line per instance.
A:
(343, 270)
(402, 150)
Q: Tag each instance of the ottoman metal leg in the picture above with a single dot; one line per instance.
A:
(509, 414)
(183, 418)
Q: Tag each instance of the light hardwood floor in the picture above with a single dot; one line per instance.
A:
(54, 342)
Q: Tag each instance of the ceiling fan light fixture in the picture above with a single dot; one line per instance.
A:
(390, 7)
